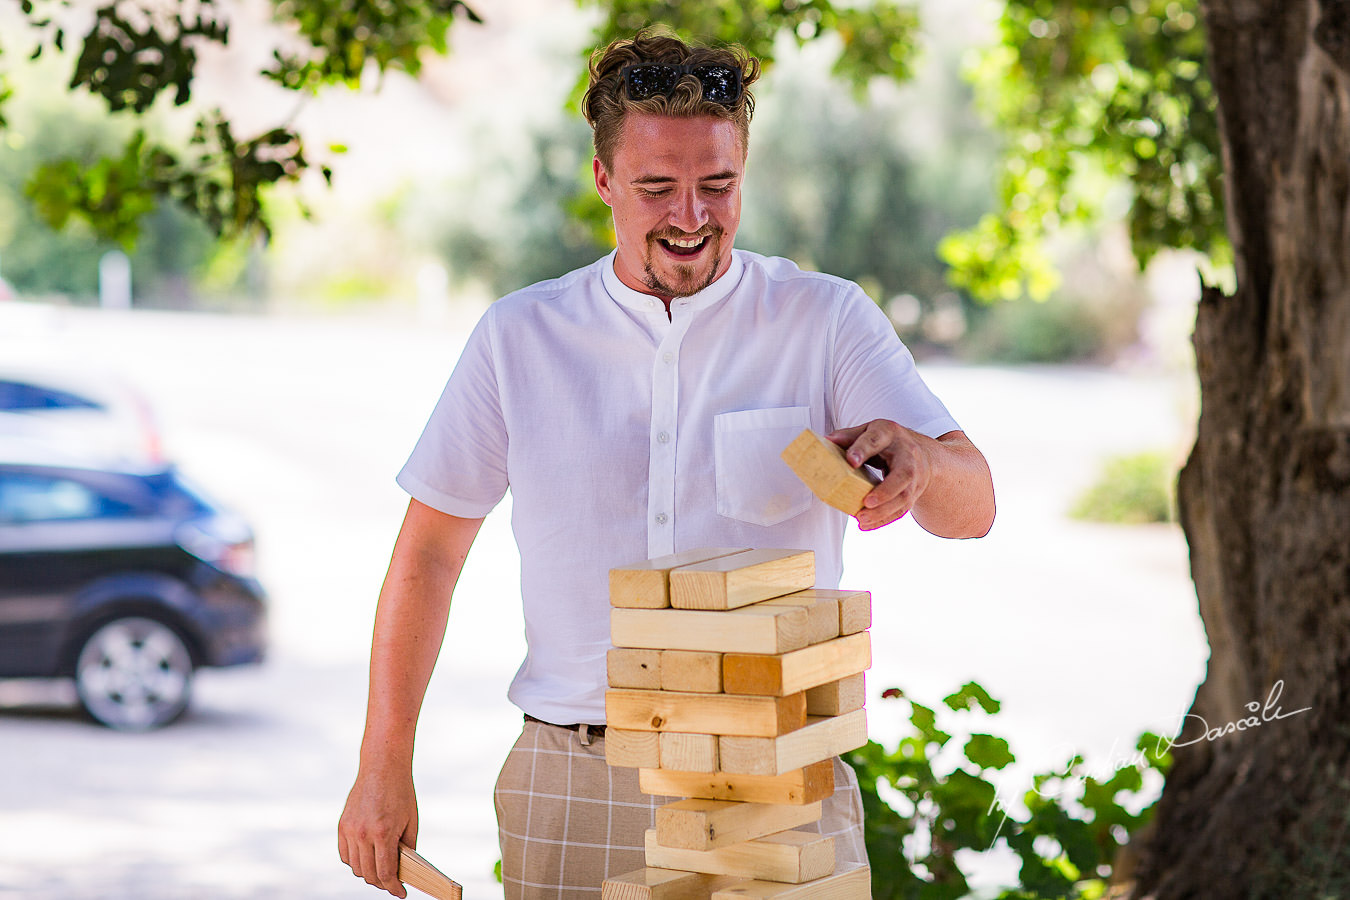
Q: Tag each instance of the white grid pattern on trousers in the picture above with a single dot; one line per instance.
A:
(567, 820)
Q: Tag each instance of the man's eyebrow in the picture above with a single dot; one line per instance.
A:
(728, 175)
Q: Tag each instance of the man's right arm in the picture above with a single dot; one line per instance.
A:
(410, 623)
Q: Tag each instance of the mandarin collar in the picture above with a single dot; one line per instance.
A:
(636, 300)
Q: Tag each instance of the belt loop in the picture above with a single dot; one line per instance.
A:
(584, 735)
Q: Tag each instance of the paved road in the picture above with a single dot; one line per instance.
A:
(1088, 633)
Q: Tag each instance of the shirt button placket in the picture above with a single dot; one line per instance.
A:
(665, 402)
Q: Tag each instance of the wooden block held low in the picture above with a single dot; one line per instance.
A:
(665, 884)
(695, 671)
(837, 697)
(742, 579)
(646, 585)
(697, 824)
(788, 856)
(796, 788)
(822, 738)
(704, 713)
(632, 749)
(750, 629)
(629, 668)
(853, 884)
(821, 465)
(688, 752)
(788, 673)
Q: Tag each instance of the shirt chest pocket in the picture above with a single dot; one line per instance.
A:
(754, 485)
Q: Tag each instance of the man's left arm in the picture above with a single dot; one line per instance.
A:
(944, 481)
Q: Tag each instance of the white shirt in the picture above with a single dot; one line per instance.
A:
(624, 435)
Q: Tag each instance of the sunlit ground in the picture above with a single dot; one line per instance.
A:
(1089, 633)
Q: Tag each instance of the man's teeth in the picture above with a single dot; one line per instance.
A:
(686, 243)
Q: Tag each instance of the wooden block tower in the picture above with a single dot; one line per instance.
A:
(733, 684)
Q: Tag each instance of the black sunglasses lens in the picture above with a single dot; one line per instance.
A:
(720, 83)
(650, 80)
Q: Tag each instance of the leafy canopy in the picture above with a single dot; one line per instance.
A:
(1087, 95)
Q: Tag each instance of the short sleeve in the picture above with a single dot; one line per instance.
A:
(458, 465)
(873, 374)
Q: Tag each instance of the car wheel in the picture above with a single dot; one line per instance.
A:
(134, 674)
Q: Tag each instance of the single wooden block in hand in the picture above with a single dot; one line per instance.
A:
(821, 465)
(415, 871)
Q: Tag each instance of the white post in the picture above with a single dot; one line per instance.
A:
(114, 280)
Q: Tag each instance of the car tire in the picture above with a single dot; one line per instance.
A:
(134, 674)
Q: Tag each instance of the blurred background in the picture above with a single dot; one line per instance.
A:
(287, 379)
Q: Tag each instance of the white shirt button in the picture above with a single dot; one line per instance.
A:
(662, 518)
(668, 357)
(663, 437)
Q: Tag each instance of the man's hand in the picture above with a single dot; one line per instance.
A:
(944, 481)
(381, 810)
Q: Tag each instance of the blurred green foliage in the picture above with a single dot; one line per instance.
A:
(1083, 90)
(932, 810)
(1134, 489)
(878, 38)
(132, 57)
(176, 251)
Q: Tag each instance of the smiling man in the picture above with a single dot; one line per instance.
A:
(637, 408)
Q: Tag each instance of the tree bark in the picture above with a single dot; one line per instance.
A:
(1265, 496)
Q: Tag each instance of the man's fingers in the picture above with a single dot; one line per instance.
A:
(386, 868)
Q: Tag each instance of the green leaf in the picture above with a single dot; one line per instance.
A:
(970, 696)
(988, 752)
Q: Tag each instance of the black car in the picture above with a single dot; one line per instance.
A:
(126, 580)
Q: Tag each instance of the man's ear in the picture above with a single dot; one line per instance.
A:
(602, 185)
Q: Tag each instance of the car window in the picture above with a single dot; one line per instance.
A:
(33, 498)
(19, 395)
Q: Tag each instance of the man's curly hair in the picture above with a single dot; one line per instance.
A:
(606, 103)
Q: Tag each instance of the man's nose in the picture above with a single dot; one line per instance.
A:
(689, 213)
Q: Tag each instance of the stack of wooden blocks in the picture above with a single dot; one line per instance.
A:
(733, 684)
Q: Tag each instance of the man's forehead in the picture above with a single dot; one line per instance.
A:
(700, 146)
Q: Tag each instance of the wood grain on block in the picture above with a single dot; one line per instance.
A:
(416, 871)
(646, 585)
(837, 697)
(788, 673)
(822, 738)
(854, 884)
(629, 668)
(798, 787)
(821, 466)
(665, 884)
(688, 753)
(704, 713)
(742, 579)
(698, 824)
(855, 612)
(697, 671)
(788, 856)
(632, 749)
(822, 612)
(750, 629)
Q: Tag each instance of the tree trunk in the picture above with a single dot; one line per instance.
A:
(1264, 811)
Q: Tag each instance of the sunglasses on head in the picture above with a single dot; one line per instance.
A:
(721, 84)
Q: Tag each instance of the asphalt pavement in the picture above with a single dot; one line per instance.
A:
(1088, 633)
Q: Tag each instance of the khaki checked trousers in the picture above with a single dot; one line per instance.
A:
(567, 820)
